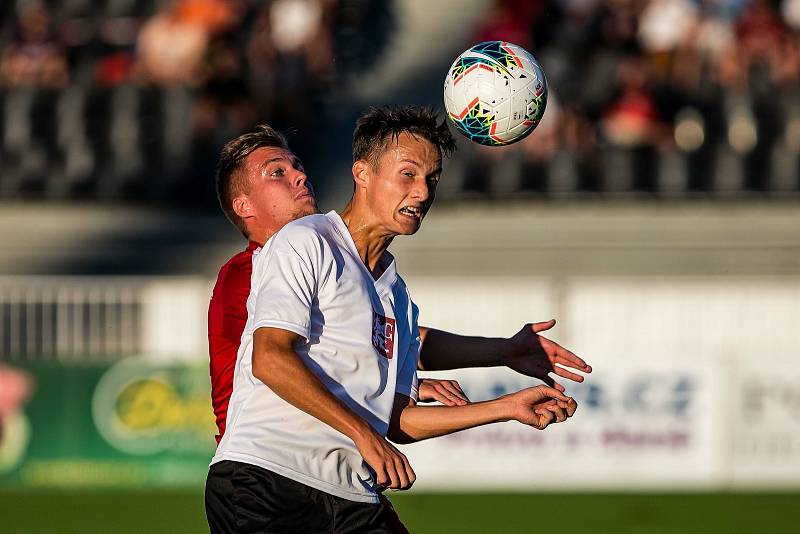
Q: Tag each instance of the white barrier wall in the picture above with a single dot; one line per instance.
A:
(765, 424)
(174, 318)
(649, 424)
(696, 383)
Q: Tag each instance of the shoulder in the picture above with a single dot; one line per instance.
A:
(303, 236)
(237, 270)
(317, 223)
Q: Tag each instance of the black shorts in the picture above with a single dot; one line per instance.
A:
(245, 498)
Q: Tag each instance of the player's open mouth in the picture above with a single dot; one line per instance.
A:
(412, 211)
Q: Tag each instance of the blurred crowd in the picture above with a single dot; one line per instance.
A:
(133, 98)
(665, 96)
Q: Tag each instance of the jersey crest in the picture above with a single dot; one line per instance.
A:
(383, 330)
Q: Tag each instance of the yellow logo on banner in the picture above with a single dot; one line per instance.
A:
(15, 432)
(145, 408)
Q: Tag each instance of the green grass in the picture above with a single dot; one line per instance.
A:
(566, 513)
(119, 512)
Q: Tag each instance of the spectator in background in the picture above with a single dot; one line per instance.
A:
(171, 48)
(765, 43)
(290, 55)
(619, 22)
(510, 20)
(663, 28)
(632, 118)
(34, 58)
(213, 16)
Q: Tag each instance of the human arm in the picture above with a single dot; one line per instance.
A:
(286, 282)
(537, 407)
(279, 367)
(526, 352)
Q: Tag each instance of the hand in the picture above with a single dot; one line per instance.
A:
(534, 355)
(448, 392)
(560, 410)
(391, 467)
(539, 406)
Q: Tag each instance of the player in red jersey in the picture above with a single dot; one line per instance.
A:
(259, 204)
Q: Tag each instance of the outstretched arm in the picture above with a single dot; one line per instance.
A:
(526, 352)
(279, 367)
(537, 407)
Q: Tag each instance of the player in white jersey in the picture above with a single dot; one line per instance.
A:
(327, 364)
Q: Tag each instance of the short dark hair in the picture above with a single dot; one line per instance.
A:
(377, 127)
(230, 180)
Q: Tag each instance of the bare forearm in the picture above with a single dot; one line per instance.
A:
(422, 422)
(443, 351)
(284, 372)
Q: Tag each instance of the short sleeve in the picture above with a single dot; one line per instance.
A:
(407, 383)
(285, 282)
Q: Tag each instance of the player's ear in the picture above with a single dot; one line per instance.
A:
(361, 173)
(242, 206)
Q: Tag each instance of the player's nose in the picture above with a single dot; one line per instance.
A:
(421, 190)
(301, 180)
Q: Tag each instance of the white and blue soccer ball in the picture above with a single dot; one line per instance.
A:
(495, 93)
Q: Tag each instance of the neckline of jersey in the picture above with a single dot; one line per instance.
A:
(386, 280)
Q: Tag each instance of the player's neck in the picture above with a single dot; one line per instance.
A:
(370, 239)
(260, 237)
(261, 234)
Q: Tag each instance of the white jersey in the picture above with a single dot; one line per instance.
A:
(359, 336)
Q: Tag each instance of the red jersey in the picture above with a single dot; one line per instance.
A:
(227, 315)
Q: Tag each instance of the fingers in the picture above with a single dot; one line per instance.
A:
(571, 407)
(391, 467)
(394, 478)
(553, 393)
(559, 411)
(547, 379)
(560, 371)
(403, 471)
(448, 392)
(411, 476)
(543, 419)
(402, 476)
(453, 388)
(570, 359)
(448, 396)
(541, 327)
(399, 470)
(381, 478)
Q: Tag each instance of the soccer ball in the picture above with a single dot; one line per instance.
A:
(495, 93)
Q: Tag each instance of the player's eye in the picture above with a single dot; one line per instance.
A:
(408, 174)
(279, 172)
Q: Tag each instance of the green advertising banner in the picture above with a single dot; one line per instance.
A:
(133, 423)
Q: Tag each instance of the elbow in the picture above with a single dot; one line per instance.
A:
(259, 371)
(397, 434)
(399, 437)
